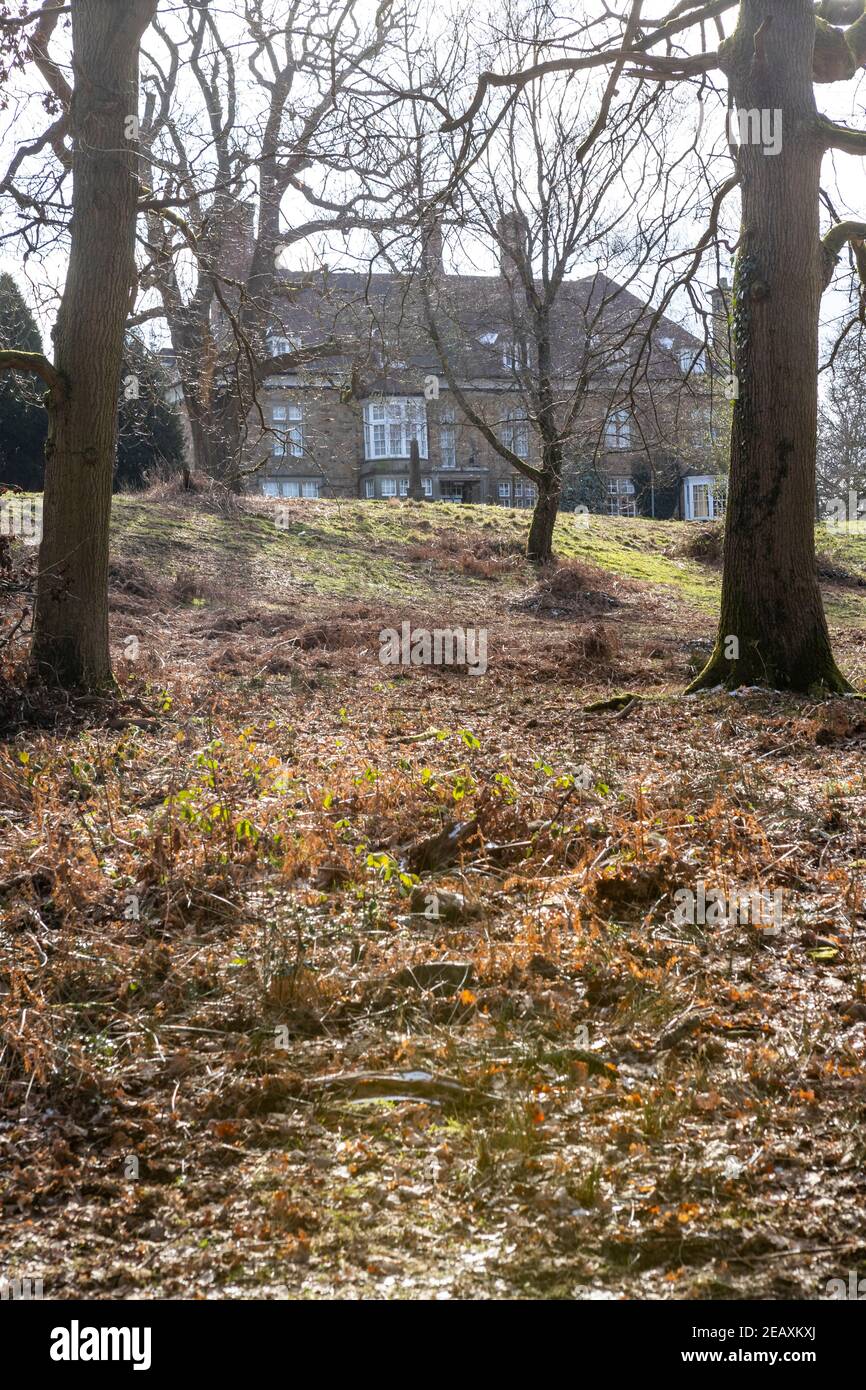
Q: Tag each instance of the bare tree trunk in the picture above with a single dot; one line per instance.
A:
(70, 630)
(216, 437)
(773, 630)
(539, 546)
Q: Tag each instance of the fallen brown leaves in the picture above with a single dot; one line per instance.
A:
(335, 983)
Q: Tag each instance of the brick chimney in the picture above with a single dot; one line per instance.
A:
(720, 299)
(512, 234)
(432, 241)
(238, 241)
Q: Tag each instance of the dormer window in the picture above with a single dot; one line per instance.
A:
(691, 360)
(278, 346)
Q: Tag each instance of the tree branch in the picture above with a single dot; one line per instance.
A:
(38, 45)
(840, 137)
(18, 22)
(13, 360)
(635, 55)
(854, 234)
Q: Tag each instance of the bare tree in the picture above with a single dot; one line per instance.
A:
(98, 116)
(841, 481)
(772, 628)
(549, 187)
(241, 127)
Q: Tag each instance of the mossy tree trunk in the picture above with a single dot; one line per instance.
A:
(773, 630)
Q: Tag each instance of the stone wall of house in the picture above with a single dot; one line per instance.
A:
(668, 436)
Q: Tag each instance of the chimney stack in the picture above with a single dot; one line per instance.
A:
(512, 232)
(720, 299)
(238, 240)
(432, 242)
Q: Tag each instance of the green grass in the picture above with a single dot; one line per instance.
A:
(359, 549)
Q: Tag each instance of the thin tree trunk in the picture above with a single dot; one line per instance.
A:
(773, 630)
(539, 546)
(70, 629)
(416, 486)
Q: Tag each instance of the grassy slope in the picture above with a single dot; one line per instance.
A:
(360, 548)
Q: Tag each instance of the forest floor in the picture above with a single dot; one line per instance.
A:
(325, 978)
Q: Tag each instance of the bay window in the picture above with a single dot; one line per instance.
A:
(391, 425)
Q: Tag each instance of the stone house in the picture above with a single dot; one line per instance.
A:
(643, 443)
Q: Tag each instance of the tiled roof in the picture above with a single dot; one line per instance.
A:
(380, 320)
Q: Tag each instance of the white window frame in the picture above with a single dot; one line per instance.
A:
(525, 493)
(292, 487)
(278, 345)
(388, 487)
(617, 430)
(691, 486)
(517, 354)
(391, 425)
(447, 437)
(621, 497)
(514, 432)
(426, 484)
(287, 421)
(503, 493)
(691, 360)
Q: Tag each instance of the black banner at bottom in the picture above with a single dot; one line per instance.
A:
(219, 1338)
